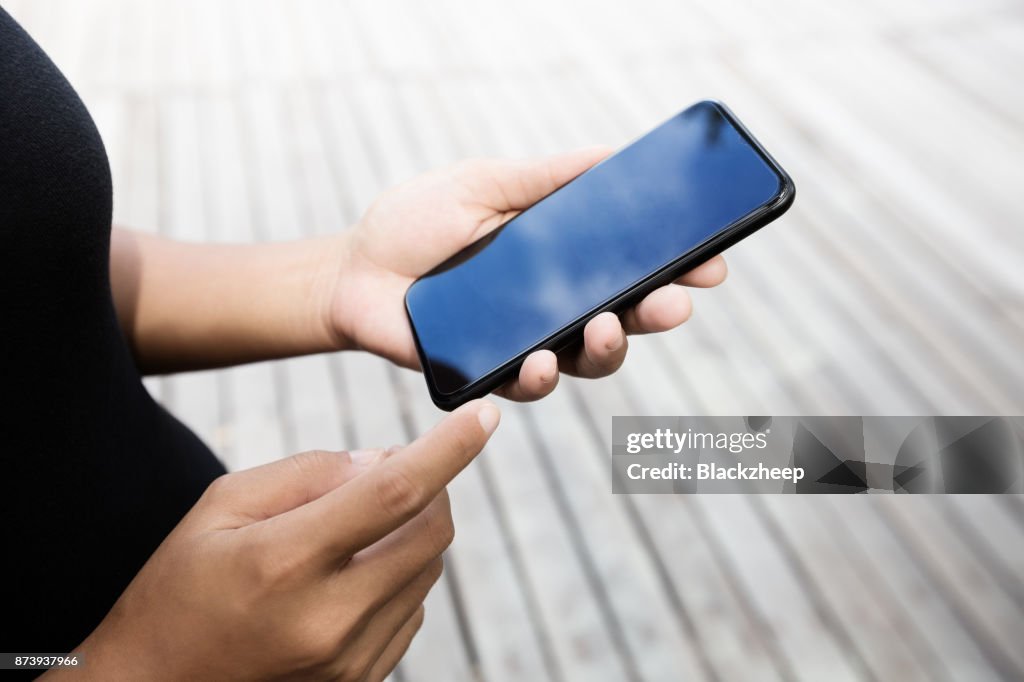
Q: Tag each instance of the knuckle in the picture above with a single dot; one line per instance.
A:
(440, 527)
(221, 487)
(269, 569)
(316, 463)
(435, 570)
(314, 459)
(312, 642)
(446, 532)
(356, 665)
(363, 611)
(417, 618)
(398, 495)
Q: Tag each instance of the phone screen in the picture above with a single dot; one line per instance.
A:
(580, 247)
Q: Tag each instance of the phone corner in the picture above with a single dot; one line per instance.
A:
(787, 193)
(446, 403)
(717, 103)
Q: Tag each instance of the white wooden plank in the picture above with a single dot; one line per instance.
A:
(973, 63)
(979, 598)
(988, 524)
(944, 213)
(897, 573)
(876, 627)
(777, 593)
(659, 646)
(737, 643)
(956, 356)
(579, 638)
(941, 149)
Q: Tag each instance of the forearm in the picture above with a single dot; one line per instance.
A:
(189, 306)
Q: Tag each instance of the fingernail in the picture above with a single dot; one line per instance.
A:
(363, 459)
(488, 416)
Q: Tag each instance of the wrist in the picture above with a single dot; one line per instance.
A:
(333, 257)
(105, 658)
(212, 305)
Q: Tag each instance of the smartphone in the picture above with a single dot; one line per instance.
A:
(652, 211)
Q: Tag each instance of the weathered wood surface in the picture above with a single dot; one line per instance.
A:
(894, 286)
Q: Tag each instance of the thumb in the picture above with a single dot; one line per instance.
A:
(264, 491)
(513, 185)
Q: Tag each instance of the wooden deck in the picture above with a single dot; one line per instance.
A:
(894, 286)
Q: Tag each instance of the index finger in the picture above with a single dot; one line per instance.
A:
(369, 507)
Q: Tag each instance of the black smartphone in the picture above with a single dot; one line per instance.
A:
(652, 211)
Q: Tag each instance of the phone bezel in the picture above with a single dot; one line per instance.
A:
(565, 337)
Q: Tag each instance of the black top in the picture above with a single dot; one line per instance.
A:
(94, 472)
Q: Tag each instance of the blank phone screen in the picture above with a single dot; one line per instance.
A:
(581, 246)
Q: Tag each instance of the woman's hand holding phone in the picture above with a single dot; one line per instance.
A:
(186, 306)
(415, 226)
(315, 566)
